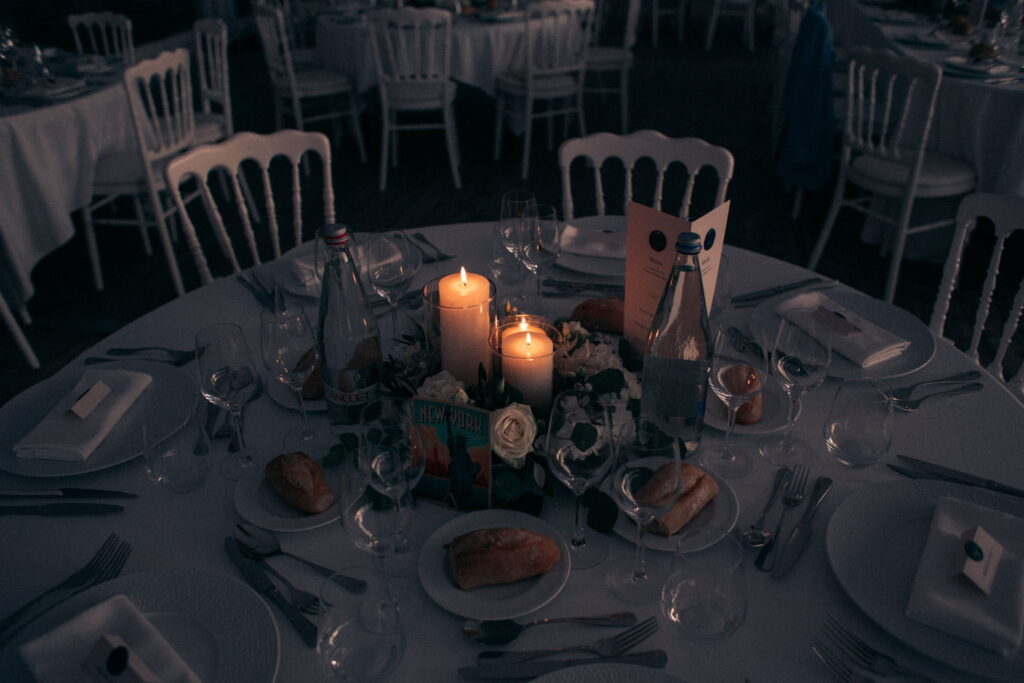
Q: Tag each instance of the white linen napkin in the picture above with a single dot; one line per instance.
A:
(600, 243)
(857, 339)
(303, 269)
(944, 600)
(61, 435)
(58, 656)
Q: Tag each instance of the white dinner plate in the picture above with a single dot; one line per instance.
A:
(286, 398)
(256, 501)
(774, 413)
(721, 513)
(962, 66)
(608, 673)
(219, 626)
(592, 265)
(892, 318)
(874, 542)
(490, 602)
(164, 407)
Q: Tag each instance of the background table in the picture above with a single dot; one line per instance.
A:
(977, 433)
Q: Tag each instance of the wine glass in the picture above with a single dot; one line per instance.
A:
(799, 361)
(508, 272)
(391, 263)
(705, 598)
(652, 453)
(739, 369)
(227, 379)
(518, 216)
(376, 524)
(580, 450)
(289, 352)
(539, 245)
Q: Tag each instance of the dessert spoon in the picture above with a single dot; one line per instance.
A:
(259, 543)
(504, 631)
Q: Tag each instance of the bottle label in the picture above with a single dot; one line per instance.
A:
(351, 390)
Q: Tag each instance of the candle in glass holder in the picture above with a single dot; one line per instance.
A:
(527, 363)
(524, 325)
(465, 324)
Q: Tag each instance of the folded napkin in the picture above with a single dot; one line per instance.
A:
(58, 656)
(62, 435)
(943, 599)
(924, 37)
(600, 243)
(857, 339)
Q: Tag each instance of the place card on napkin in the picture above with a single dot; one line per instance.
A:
(599, 243)
(59, 655)
(650, 252)
(942, 597)
(63, 435)
(857, 339)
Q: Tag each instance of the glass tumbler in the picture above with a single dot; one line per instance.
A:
(858, 431)
(178, 462)
(705, 597)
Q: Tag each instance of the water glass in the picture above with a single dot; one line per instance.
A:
(705, 597)
(858, 431)
(173, 462)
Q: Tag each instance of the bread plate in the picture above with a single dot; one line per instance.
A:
(286, 398)
(505, 601)
(774, 414)
(721, 513)
(256, 501)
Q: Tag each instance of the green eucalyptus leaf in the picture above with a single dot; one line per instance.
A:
(347, 446)
(584, 436)
(602, 512)
(505, 485)
(609, 381)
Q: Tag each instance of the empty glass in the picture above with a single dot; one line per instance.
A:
(705, 597)
(540, 245)
(391, 262)
(288, 347)
(858, 430)
(177, 462)
(518, 216)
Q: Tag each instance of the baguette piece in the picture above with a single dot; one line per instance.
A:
(698, 490)
(500, 555)
(299, 481)
(606, 314)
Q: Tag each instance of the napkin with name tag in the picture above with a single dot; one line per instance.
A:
(601, 243)
(80, 421)
(62, 654)
(944, 594)
(857, 339)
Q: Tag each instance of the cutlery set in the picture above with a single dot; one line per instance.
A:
(62, 509)
(776, 556)
(922, 469)
(847, 655)
(902, 397)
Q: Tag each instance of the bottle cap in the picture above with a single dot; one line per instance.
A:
(688, 243)
(334, 234)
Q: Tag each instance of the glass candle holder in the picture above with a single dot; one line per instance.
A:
(458, 317)
(523, 348)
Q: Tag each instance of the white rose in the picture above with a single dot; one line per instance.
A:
(443, 387)
(512, 433)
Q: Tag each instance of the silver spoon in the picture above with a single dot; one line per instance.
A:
(757, 536)
(910, 405)
(505, 630)
(260, 543)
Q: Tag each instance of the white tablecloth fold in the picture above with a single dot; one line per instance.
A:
(58, 656)
(857, 339)
(945, 600)
(62, 435)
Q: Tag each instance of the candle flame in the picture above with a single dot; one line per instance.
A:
(462, 275)
(528, 340)
(522, 324)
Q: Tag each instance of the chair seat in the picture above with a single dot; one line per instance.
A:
(600, 58)
(318, 83)
(210, 128)
(418, 96)
(941, 175)
(123, 173)
(545, 86)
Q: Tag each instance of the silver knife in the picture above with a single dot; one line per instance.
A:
(61, 509)
(257, 577)
(801, 533)
(772, 291)
(656, 659)
(949, 474)
(65, 493)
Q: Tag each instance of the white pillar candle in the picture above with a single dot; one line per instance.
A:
(465, 324)
(522, 326)
(527, 363)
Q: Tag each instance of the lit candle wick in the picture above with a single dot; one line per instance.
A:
(528, 340)
(462, 276)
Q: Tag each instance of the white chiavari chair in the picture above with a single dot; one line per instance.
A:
(214, 121)
(614, 62)
(107, 34)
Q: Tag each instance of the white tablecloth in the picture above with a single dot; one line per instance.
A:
(979, 433)
(978, 122)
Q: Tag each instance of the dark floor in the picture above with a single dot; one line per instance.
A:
(681, 90)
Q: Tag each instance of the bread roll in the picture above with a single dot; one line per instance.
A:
(698, 490)
(500, 555)
(601, 315)
(741, 379)
(299, 481)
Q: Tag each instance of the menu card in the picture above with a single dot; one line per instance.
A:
(457, 439)
(650, 252)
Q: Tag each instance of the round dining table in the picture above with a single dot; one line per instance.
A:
(178, 539)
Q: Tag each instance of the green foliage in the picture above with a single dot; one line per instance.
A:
(347, 447)
(493, 394)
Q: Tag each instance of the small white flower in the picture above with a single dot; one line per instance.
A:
(513, 430)
(444, 387)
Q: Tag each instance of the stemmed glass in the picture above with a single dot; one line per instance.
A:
(507, 271)
(227, 379)
(739, 369)
(651, 453)
(539, 245)
(289, 352)
(799, 361)
(581, 449)
(391, 263)
(518, 216)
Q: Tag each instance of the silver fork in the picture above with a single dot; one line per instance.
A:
(605, 647)
(792, 496)
(304, 601)
(841, 671)
(105, 564)
(906, 393)
(910, 405)
(864, 655)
